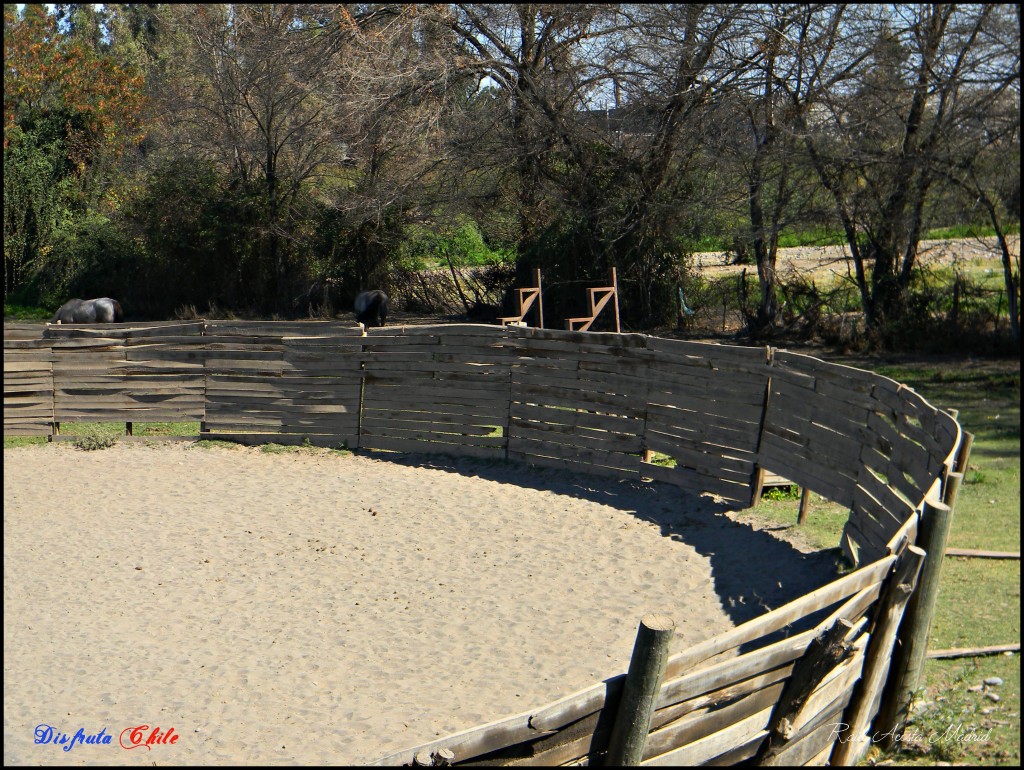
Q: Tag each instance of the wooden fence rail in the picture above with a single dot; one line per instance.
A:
(708, 418)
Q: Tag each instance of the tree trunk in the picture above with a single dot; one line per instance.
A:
(1010, 281)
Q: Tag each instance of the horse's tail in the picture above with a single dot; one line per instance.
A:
(118, 313)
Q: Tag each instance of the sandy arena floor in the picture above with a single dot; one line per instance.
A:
(311, 608)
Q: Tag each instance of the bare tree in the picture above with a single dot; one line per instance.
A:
(880, 90)
(260, 89)
(615, 175)
(402, 81)
(983, 158)
(756, 130)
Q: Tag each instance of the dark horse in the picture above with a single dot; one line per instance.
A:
(371, 308)
(89, 311)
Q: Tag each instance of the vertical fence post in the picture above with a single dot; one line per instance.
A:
(643, 680)
(854, 740)
(908, 658)
(805, 502)
(907, 668)
(540, 299)
(757, 482)
(615, 300)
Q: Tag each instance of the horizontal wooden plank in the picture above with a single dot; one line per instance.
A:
(577, 418)
(703, 722)
(251, 438)
(572, 443)
(479, 435)
(716, 744)
(699, 483)
(577, 456)
(570, 397)
(454, 414)
(396, 444)
(583, 464)
(25, 429)
(440, 400)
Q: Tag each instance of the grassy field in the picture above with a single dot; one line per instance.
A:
(979, 599)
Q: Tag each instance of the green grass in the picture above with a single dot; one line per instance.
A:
(213, 444)
(979, 599)
(790, 492)
(814, 237)
(138, 429)
(11, 442)
(306, 447)
(13, 312)
(967, 231)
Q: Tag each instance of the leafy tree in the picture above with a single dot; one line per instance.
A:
(70, 110)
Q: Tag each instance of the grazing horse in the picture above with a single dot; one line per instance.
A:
(371, 308)
(89, 311)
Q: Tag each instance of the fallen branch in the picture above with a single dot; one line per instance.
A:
(983, 554)
(970, 652)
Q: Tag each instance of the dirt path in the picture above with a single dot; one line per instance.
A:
(822, 260)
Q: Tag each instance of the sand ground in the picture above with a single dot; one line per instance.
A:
(314, 608)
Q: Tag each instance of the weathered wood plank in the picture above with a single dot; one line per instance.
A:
(704, 722)
(707, 748)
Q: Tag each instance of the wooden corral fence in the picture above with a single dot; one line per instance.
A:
(774, 690)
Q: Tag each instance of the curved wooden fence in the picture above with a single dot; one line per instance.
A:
(599, 403)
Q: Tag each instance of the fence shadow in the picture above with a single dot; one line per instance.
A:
(752, 571)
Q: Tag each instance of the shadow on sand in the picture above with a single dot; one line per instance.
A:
(753, 571)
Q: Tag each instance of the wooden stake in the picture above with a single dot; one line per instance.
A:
(854, 741)
(643, 680)
(907, 669)
(805, 502)
(965, 453)
(907, 665)
(758, 480)
(615, 295)
(540, 299)
(757, 486)
(982, 554)
(971, 652)
(824, 653)
(436, 758)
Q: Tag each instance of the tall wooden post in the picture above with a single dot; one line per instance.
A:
(615, 300)
(643, 680)
(540, 298)
(907, 666)
(757, 482)
(855, 739)
(805, 502)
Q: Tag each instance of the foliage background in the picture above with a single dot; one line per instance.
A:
(276, 159)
